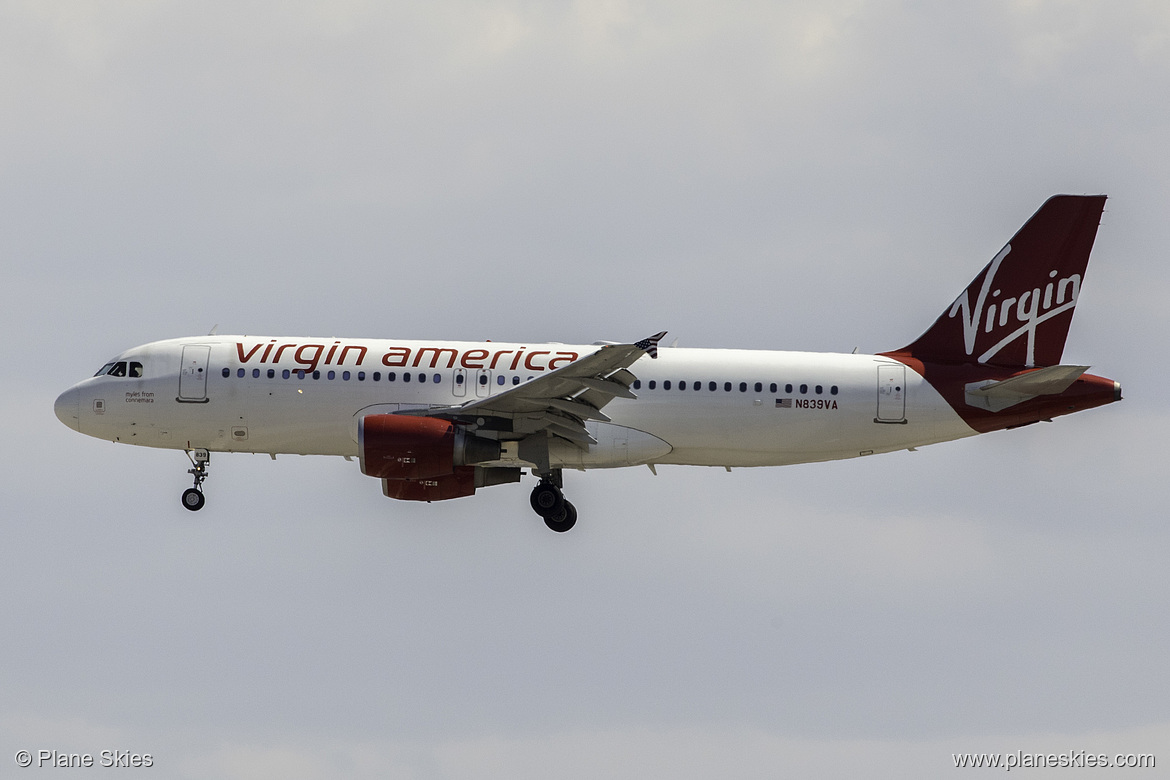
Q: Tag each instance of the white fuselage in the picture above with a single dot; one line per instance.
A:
(710, 407)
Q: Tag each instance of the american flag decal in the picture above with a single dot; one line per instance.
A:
(650, 345)
(783, 403)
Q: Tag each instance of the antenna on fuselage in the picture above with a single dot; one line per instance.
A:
(214, 328)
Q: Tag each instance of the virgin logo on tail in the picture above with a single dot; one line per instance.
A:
(1034, 281)
(1026, 310)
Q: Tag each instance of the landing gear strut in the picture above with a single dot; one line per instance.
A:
(548, 502)
(193, 497)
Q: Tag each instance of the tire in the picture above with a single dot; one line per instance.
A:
(193, 499)
(547, 500)
(564, 520)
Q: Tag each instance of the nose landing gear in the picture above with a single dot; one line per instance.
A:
(193, 497)
(548, 502)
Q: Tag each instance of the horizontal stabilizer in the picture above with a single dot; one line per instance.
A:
(1044, 381)
(995, 396)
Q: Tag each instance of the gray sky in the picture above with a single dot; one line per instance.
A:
(801, 175)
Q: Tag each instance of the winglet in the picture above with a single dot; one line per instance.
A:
(650, 345)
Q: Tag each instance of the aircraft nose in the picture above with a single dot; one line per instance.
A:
(66, 408)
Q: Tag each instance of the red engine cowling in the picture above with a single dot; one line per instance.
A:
(455, 485)
(461, 482)
(398, 447)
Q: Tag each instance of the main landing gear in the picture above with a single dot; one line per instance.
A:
(193, 497)
(548, 502)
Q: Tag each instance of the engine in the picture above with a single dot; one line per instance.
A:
(456, 485)
(427, 459)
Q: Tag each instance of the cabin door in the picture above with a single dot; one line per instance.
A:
(193, 375)
(891, 396)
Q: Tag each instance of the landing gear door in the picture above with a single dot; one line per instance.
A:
(891, 395)
(193, 374)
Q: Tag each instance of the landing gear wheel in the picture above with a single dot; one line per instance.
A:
(193, 496)
(547, 500)
(563, 520)
(193, 499)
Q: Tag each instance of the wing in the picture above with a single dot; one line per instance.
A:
(557, 403)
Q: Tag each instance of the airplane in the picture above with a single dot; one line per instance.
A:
(438, 420)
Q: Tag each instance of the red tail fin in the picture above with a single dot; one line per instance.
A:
(1017, 311)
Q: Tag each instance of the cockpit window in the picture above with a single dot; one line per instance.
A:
(121, 368)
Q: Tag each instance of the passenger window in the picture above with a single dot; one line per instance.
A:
(682, 385)
(271, 373)
(437, 378)
(516, 379)
(300, 373)
(712, 386)
(698, 386)
(833, 389)
(743, 387)
(652, 383)
(344, 376)
(483, 379)
(500, 380)
(422, 378)
(459, 379)
(136, 370)
(666, 384)
(727, 387)
(361, 376)
(331, 375)
(637, 384)
(759, 386)
(227, 372)
(803, 389)
(255, 373)
(285, 373)
(772, 388)
(378, 376)
(240, 373)
(819, 389)
(316, 374)
(788, 388)
(405, 376)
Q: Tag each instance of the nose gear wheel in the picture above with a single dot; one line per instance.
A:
(193, 498)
